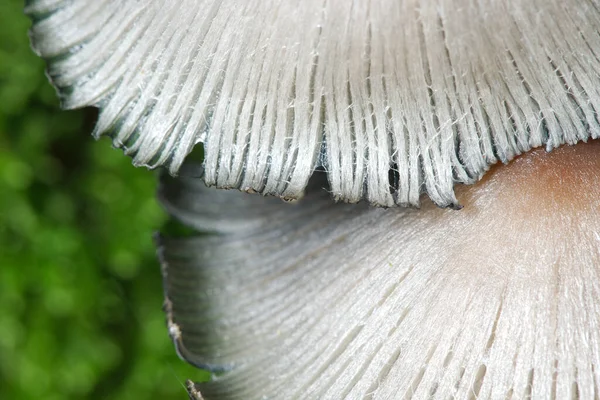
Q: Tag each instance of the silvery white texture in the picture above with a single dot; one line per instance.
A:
(391, 97)
(316, 300)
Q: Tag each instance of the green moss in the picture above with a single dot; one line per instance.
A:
(175, 229)
(80, 287)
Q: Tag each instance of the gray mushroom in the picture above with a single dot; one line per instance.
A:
(380, 102)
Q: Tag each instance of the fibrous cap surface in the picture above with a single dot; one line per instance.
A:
(392, 98)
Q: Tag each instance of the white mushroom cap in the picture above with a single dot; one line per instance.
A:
(316, 300)
(391, 98)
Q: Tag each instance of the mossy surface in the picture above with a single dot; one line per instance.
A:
(80, 287)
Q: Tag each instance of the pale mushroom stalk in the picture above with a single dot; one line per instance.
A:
(390, 100)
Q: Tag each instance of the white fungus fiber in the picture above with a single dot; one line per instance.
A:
(392, 98)
(322, 301)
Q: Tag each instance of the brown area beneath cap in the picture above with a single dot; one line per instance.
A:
(567, 178)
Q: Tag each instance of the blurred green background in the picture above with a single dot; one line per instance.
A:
(80, 288)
